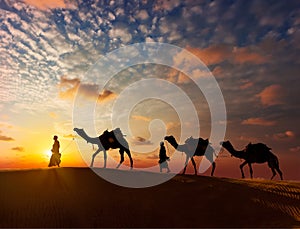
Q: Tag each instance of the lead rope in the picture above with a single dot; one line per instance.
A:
(67, 145)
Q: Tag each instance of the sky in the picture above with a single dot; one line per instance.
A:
(47, 49)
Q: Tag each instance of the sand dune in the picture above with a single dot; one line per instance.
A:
(77, 197)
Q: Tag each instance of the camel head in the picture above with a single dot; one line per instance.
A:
(82, 134)
(226, 144)
(170, 138)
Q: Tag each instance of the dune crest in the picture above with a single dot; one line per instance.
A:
(77, 197)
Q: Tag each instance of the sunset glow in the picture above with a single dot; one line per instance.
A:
(47, 48)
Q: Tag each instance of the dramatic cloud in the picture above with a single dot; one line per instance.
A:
(18, 148)
(272, 95)
(219, 53)
(213, 54)
(258, 121)
(68, 88)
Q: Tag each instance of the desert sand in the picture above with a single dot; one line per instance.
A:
(77, 197)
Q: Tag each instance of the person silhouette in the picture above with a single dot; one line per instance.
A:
(55, 157)
(163, 158)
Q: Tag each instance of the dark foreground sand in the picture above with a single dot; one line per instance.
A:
(77, 197)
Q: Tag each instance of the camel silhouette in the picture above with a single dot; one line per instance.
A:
(254, 153)
(194, 147)
(108, 140)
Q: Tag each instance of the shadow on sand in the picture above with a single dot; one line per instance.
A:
(77, 197)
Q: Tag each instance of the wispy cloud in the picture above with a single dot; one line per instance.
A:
(5, 138)
(18, 148)
(258, 121)
(246, 85)
(295, 149)
(138, 140)
(141, 118)
(284, 135)
(70, 136)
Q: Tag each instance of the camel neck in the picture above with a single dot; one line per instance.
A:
(173, 143)
(234, 152)
(84, 135)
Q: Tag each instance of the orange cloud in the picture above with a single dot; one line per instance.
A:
(5, 138)
(218, 71)
(47, 4)
(246, 85)
(218, 53)
(68, 88)
(258, 121)
(106, 95)
(141, 118)
(246, 55)
(213, 54)
(272, 95)
(285, 135)
(18, 148)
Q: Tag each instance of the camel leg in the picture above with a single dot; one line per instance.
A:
(194, 164)
(122, 157)
(213, 168)
(186, 163)
(274, 173)
(274, 165)
(105, 158)
(241, 167)
(130, 158)
(93, 157)
(280, 173)
(278, 170)
(251, 170)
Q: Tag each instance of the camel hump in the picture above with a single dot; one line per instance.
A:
(118, 131)
(260, 146)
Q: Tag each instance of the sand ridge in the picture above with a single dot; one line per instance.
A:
(77, 197)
